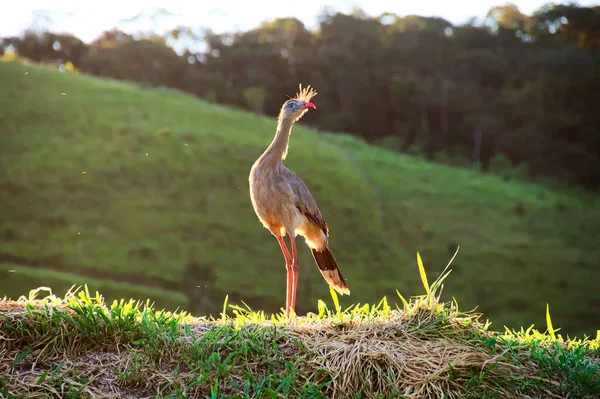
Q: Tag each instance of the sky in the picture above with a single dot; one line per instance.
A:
(87, 20)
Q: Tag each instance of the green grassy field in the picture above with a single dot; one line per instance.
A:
(108, 182)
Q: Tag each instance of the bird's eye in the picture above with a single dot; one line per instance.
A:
(292, 106)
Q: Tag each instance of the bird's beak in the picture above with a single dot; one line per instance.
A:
(309, 105)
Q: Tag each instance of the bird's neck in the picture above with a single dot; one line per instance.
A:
(277, 151)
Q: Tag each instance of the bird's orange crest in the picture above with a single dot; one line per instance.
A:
(305, 94)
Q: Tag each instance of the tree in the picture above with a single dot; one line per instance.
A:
(507, 17)
(351, 69)
(48, 47)
(520, 86)
(137, 60)
(577, 26)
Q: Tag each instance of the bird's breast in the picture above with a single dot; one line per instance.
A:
(274, 201)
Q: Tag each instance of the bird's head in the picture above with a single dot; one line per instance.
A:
(295, 108)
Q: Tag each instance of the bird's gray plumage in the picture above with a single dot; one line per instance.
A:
(284, 204)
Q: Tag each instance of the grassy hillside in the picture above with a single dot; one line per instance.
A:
(145, 192)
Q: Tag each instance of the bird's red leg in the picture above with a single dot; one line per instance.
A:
(288, 268)
(295, 266)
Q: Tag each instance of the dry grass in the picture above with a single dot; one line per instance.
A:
(385, 359)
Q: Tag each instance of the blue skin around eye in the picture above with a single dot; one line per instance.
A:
(292, 106)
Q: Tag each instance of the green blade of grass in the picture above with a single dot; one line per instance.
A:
(422, 273)
(404, 301)
(549, 321)
(453, 256)
(21, 356)
(438, 282)
(336, 301)
(224, 313)
(322, 308)
(43, 377)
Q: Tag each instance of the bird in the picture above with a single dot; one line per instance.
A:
(284, 204)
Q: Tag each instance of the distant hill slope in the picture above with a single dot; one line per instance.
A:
(144, 192)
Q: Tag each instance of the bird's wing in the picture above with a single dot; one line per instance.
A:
(305, 202)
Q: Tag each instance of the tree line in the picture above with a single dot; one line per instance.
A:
(520, 90)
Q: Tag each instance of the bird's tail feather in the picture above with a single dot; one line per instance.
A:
(330, 270)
